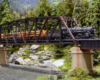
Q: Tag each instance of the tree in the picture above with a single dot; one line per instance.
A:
(16, 15)
(7, 16)
(29, 14)
(94, 15)
(45, 8)
(80, 11)
(84, 9)
(2, 6)
(68, 7)
(59, 9)
(77, 11)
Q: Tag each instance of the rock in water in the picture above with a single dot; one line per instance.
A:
(48, 65)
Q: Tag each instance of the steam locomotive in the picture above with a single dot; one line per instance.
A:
(78, 32)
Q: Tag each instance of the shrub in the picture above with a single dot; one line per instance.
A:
(96, 60)
(49, 77)
(60, 76)
(80, 73)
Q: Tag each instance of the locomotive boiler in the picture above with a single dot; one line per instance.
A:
(79, 32)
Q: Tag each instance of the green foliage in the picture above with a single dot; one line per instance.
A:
(64, 7)
(27, 54)
(80, 74)
(77, 10)
(41, 48)
(12, 48)
(80, 11)
(50, 77)
(58, 51)
(27, 51)
(40, 78)
(96, 60)
(45, 8)
(29, 14)
(58, 9)
(16, 15)
(93, 16)
(60, 76)
(68, 7)
(98, 79)
(6, 14)
(85, 6)
(3, 3)
(67, 63)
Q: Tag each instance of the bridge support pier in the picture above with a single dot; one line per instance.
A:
(82, 59)
(3, 55)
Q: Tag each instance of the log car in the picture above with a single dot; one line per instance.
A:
(22, 34)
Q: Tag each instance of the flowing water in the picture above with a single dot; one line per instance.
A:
(16, 74)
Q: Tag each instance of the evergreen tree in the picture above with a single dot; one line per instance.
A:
(2, 6)
(84, 9)
(45, 8)
(59, 9)
(29, 14)
(77, 11)
(94, 15)
(7, 16)
(68, 7)
(16, 15)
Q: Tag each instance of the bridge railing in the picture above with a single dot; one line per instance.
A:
(37, 30)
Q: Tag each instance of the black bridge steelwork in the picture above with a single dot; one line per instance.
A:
(49, 23)
(11, 31)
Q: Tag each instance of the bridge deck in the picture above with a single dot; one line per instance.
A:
(86, 44)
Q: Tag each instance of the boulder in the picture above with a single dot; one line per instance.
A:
(49, 55)
(40, 52)
(28, 62)
(41, 61)
(45, 57)
(48, 65)
(32, 51)
(21, 53)
(34, 57)
(34, 47)
(20, 61)
(58, 62)
(13, 57)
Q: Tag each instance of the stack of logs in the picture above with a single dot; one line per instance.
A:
(23, 34)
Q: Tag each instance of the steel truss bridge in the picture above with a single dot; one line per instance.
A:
(20, 32)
